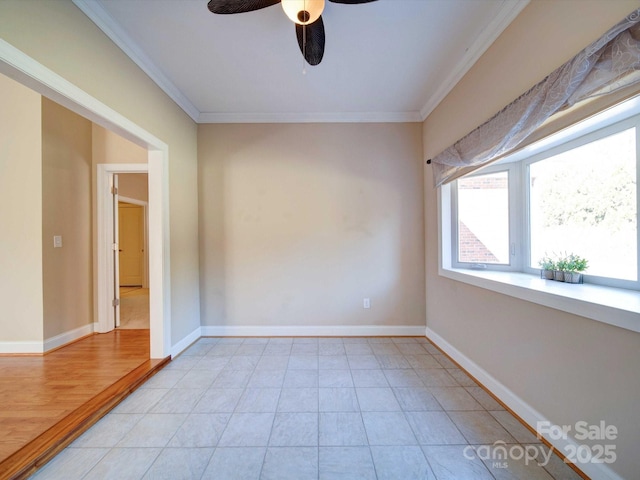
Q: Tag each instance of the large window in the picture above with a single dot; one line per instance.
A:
(584, 200)
(574, 193)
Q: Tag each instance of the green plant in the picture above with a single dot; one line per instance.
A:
(561, 263)
(547, 263)
(574, 263)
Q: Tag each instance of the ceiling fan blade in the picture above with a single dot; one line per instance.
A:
(352, 2)
(311, 41)
(238, 6)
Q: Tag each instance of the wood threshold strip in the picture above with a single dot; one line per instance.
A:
(37, 453)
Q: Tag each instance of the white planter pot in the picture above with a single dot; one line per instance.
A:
(572, 277)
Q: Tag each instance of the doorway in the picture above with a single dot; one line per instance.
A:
(133, 262)
(133, 259)
(131, 241)
(20, 67)
(17, 65)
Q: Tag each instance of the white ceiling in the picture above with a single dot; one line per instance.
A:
(386, 61)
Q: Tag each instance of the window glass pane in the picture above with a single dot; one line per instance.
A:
(483, 218)
(583, 201)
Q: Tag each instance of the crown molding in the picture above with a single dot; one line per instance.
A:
(105, 22)
(353, 117)
(506, 14)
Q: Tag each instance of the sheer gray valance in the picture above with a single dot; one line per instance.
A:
(607, 65)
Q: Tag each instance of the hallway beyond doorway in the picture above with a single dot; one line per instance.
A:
(134, 308)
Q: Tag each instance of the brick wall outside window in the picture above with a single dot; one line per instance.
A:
(471, 249)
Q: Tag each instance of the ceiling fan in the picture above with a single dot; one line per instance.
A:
(306, 14)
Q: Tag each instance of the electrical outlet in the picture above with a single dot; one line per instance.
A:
(57, 241)
(366, 303)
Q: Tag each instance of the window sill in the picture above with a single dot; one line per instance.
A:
(614, 306)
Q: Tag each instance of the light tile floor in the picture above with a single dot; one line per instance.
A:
(307, 408)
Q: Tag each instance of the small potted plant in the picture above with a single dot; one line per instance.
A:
(573, 268)
(561, 266)
(548, 265)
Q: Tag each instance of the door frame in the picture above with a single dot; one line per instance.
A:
(105, 215)
(144, 205)
(22, 68)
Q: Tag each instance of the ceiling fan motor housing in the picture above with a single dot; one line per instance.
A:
(303, 12)
(306, 14)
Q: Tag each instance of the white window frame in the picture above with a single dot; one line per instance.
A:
(615, 304)
(515, 226)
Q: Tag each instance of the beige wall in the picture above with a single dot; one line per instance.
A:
(66, 210)
(299, 223)
(60, 36)
(109, 147)
(134, 185)
(20, 214)
(566, 367)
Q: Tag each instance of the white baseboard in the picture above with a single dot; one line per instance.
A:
(21, 347)
(312, 331)
(521, 408)
(49, 343)
(70, 336)
(185, 342)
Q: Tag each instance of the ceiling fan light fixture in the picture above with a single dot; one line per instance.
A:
(303, 12)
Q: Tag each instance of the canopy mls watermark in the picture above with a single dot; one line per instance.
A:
(500, 453)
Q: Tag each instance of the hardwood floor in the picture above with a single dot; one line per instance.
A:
(47, 401)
